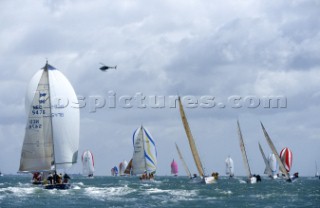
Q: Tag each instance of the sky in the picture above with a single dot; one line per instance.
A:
(226, 59)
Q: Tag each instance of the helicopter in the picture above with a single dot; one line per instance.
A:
(105, 67)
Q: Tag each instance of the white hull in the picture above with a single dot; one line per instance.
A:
(252, 180)
(209, 180)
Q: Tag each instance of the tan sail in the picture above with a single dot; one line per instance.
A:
(272, 147)
(128, 169)
(244, 154)
(192, 144)
(183, 162)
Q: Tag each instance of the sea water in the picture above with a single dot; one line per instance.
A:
(165, 191)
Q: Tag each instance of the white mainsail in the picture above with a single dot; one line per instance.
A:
(273, 148)
(183, 162)
(144, 158)
(229, 167)
(267, 170)
(192, 144)
(87, 163)
(52, 132)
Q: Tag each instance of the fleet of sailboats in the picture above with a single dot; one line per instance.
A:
(205, 179)
(52, 131)
(273, 148)
(51, 139)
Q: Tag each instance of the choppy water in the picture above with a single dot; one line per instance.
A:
(103, 191)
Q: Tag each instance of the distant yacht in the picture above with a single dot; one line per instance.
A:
(144, 158)
(229, 167)
(250, 178)
(174, 168)
(317, 173)
(205, 179)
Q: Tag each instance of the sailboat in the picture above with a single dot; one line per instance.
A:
(52, 132)
(128, 169)
(317, 173)
(87, 163)
(286, 158)
(250, 178)
(183, 162)
(114, 171)
(144, 159)
(195, 154)
(274, 151)
(229, 167)
(122, 167)
(174, 168)
(271, 164)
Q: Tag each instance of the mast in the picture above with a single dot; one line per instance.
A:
(183, 162)
(192, 143)
(45, 68)
(143, 146)
(272, 147)
(243, 151)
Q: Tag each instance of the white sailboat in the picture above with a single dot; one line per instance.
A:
(250, 177)
(122, 167)
(195, 154)
(128, 170)
(267, 170)
(317, 173)
(52, 132)
(183, 162)
(274, 151)
(229, 167)
(273, 165)
(144, 159)
(87, 163)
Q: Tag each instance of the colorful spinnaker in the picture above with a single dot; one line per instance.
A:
(286, 158)
(114, 171)
(174, 168)
(144, 159)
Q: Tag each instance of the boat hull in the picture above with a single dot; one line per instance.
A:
(252, 180)
(61, 186)
(209, 180)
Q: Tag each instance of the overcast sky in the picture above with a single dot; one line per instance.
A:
(224, 49)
